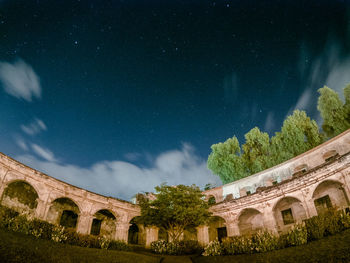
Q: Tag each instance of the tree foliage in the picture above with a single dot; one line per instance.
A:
(334, 113)
(175, 209)
(298, 134)
(225, 160)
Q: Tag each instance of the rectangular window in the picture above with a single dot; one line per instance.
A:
(287, 216)
(96, 227)
(323, 204)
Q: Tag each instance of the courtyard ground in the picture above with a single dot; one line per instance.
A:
(17, 247)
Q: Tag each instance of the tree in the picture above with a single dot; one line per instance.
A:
(256, 150)
(226, 162)
(299, 133)
(175, 209)
(332, 111)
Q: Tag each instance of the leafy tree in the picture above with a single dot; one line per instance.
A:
(347, 102)
(256, 150)
(226, 162)
(299, 133)
(175, 209)
(332, 111)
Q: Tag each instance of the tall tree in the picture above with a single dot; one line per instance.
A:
(347, 102)
(332, 111)
(256, 150)
(175, 209)
(225, 161)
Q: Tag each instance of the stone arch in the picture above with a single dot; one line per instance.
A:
(136, 232)
(217, 228)
(300, 169)
(64, 211)
(21, 196)
(329, 193)
(104, 223)
(330, 155)
(288, 211)
(211, 200)
(250, 221)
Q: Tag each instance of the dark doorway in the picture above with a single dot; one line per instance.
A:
(96, 227)
(133, 237)
(69, 219)
(222, 233)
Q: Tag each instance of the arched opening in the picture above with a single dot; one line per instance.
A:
(211, 200)
(330, 155)
(287, 212)
(217, 228)
(300, 169)
(163, 235)
(104, 224)
(20, 196)
(250, 221)
(190, 233)
(136, 233)
(64, 212)
(329, 194)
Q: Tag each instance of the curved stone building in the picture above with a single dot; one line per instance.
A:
(273, 199)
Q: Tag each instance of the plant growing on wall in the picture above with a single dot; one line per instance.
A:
(175, 209)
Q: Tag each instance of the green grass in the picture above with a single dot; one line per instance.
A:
(329, 249)
(17, 247)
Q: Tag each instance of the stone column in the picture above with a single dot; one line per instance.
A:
(84, 223)
(151, 235)
(269, 219)
(122, 231)
(203, 235)
(41, 209)
(308, 203)
(232, 228)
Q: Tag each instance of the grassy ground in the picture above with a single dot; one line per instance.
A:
(17, 247)
(330, 249)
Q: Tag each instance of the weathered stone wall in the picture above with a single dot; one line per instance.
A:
(298, 185)
(274, 199)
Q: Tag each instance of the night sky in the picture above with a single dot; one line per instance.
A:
(119, 96)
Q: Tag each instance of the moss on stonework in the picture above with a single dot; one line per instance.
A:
(23, 192)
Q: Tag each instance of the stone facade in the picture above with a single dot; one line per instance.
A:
(273, 199)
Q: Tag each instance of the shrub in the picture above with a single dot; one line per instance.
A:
(214, 248)
(297, 235)
(264, 241)
(41, 229)
(189, 247)
(344, 219)
(118, 245)
(176, 248)
(159, 246)
(315, 227)
(59, 234)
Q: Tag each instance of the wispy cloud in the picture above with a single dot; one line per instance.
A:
(35, 127)
(231, 88)
(20, 80)
(43, 153)
(21, 143)
(123, 179)
(269, 123)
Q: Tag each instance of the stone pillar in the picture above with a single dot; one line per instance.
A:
(151, 235)
(84, 223)
(232, 228)
(122, 231)
(269, 219)
(41, 209)
(308, 203)
(203, 235)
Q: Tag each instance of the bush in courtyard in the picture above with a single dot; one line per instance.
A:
(59, 234)
(41, 229)
(264, 241)
(159, 246)
(344, 219)
(188, 247)
(297, 235)
(214, 248)
(315, 227)
(118, 245)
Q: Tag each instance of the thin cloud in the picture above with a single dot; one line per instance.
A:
(123, 179)
(43, 153)
(230, 88)
(269, 123)
(34, 127)
(21, 143)
(20, 80)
